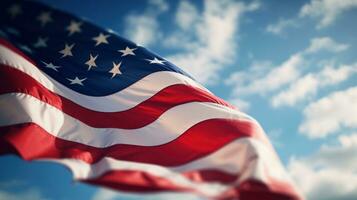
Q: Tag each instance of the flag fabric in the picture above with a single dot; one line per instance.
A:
(120, 116)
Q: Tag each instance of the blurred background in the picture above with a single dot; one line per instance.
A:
(292, 65)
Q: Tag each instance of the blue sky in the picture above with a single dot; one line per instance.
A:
(290, 65)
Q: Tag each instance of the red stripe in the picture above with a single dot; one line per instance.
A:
(129, 180)
(272, 189)
(32, 142)
(211, 175)
(138, 181)
(256, 190)
(11, 47)
(150, 109)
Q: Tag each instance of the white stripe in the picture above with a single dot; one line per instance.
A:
(122, 100)
(18, 108)
(248, 158)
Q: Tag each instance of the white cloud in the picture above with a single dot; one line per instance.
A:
(240, 104)
(329, 174)
(330, 114)
(325, 43)
(279, 27)
(159, 5)
(205, 41)
(30, 194)
(105, 194)
(331, 76)
(210, 41)
(326, 11)
(299, 90)
(307, 86)
(264, 80)
(186, 15)
(12, 184)
(144, 29)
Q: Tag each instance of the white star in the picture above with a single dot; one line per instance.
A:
(91, 61)
(41, 42)
(156, 61)
(51, 66)
(127, 51)
(115, 70)
(14, 10)
(101, 38)
(76, 80)
(44, 18)
(67, 51)
(74, 27)
(25, 48)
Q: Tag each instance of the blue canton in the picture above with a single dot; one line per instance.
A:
(74, 52)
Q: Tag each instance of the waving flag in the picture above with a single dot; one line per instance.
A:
(120, 116)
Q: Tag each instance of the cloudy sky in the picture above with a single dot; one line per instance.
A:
(292, 66)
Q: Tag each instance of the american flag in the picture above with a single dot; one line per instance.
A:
(120, 116)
